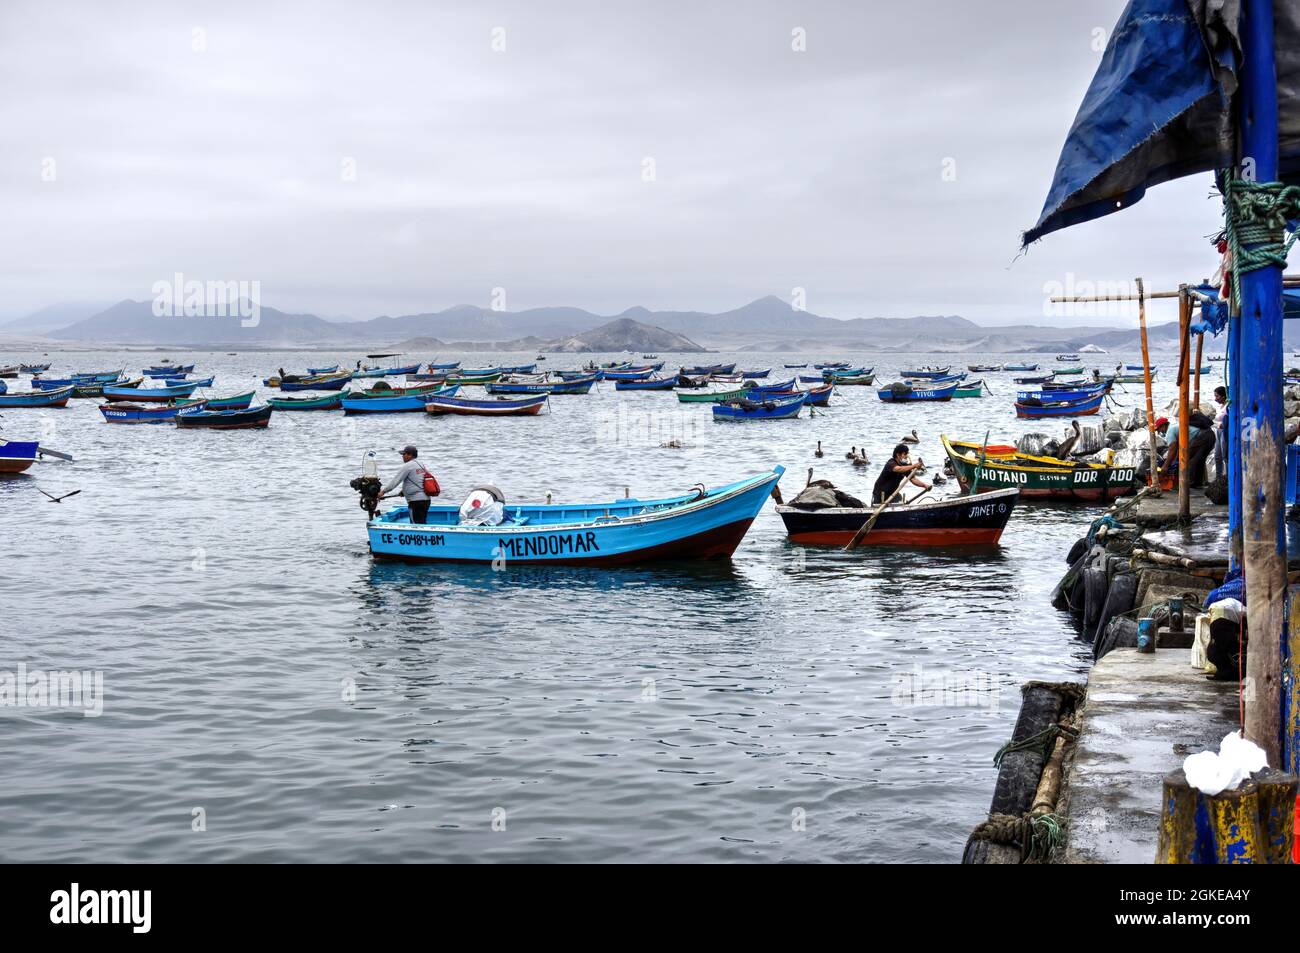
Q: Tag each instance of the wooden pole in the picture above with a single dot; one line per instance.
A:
(1153, 475)
(1196, 389)
(1262, 448)
(1184, 412)
(866, 527)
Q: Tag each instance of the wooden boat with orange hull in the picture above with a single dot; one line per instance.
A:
(958, 521)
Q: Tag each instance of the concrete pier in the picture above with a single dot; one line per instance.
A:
(1144, 714)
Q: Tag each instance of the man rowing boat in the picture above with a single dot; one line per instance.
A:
(897, 469)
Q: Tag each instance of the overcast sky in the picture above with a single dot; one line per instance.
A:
(142, 139)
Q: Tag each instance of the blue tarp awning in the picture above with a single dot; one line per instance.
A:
(1160, 107)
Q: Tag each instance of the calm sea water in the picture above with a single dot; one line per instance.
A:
(266, 680)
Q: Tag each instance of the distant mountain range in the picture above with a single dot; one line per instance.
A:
(767, 324)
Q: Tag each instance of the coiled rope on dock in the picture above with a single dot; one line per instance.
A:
(1037, 835)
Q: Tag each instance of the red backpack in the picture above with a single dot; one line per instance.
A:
(431, 487)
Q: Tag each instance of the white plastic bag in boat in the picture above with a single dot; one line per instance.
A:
(482, 507)
(1211, 772)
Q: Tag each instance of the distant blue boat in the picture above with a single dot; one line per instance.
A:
(777, 388)
(37, 398)
(1033, 409)
(168, 369)
(819, 396)
(1079, 393)
(136, 395)
(1020, 367)
(181, 382)
(650, 383)
(445, 367)
(760, 408)
(332, 369)
(519, 369)
(905, 393)
(125, 412)
(636, 374)
(1040, 379)
(928, 373)
(755, 375)
(708, 524)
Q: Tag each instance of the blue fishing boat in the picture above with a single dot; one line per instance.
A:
(580, 374)
(711, 369)
(254, 418)
(760, 408)
(635, 374)
(481, 372)
(755, 375)
(42, 368)
(937, 381)
(486, 407)
(332, 369)
(1083, 407)
(702, 524)
(125, 412)
(180, 382)
(812, 379)
(819, 396)
(575, 385)
(519, 369)
(400, 404)
(1135, 367)
(791, 367)
(833, 372)
(136, 395)
(1038, 379)
(1079, 393)
(902, 392)
(16, 456)
(831, 365)
(37, 398)
(650, 383)
(97, 389)
(445, 367)
(431, 377)
(927, 373)
(168, 369)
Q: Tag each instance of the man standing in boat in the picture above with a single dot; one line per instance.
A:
(897, 469)
(410, 477)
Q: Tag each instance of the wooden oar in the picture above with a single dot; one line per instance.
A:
(47, 452)
(866, 527)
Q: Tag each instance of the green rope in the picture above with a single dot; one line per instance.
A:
(1043, 740)
(1046, 834)
(1256, 214)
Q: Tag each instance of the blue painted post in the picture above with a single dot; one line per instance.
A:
(1263, 458)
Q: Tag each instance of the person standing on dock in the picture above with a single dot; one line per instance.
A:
(897, 469)
(410, 477)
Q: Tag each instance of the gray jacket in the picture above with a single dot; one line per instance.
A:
(411, 478)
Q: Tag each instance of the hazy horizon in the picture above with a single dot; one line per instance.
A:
(673, 157)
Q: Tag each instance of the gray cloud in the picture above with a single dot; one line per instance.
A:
(522, 169)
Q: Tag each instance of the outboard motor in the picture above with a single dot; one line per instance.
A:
(368, 484)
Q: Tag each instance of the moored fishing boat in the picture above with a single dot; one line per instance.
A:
(451, 366)
(486, 407)
(755, 375)
(97, 389)
(125, 412)
(971, 389)
(1020, 367)
(712, 397)
(1067, 358)
(1033, 408)
(976, 520)
(904, 393)
(11, 371)
(1133, 378)
(318, 382)
(760, 408)
(137, 395)
(819, 396)
(250, 419)
(790, 367)
(853, 379)
(332, 369)
(1079, 393)
(167, 367)
(16, 456)
(1044, 478)
(327, 402)
(928, 372)
(632, 374)
(650, 383)
(983, 368)
(702, 524)
(709, 370)
(42, 368)
(180, 381)
(58, 397)
(398, 404)
(1037, 379)
(1078, 369)
(235, 402)
(472, 379)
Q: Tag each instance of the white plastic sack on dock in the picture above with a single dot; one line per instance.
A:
(1212, 772)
